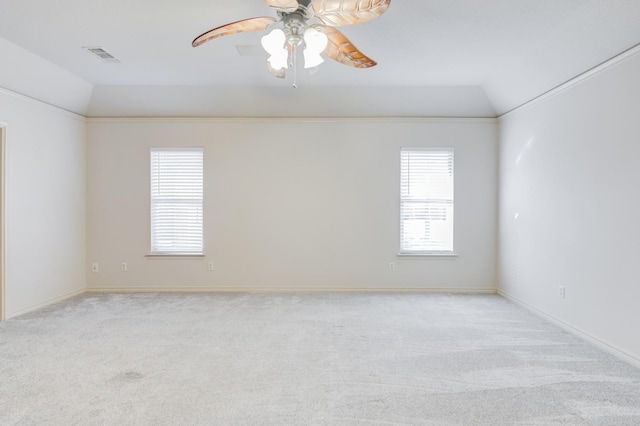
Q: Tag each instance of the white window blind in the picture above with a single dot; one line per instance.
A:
(426, 200)
(176, 201)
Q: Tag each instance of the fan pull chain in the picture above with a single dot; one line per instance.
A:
(295, 69)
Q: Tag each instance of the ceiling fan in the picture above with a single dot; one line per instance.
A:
(310, 23)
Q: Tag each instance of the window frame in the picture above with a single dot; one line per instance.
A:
(407, 252)
(178, 253)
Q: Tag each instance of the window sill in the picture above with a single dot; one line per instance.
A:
(428, 255)
(178, 256)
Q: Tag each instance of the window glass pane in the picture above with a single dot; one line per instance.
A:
(426, 200)
(176, 201)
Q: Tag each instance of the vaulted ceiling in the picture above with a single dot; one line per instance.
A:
(435, 57)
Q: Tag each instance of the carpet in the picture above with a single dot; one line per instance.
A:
(304, 359)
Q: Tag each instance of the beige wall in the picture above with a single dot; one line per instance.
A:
(289, 204)
(45, 203)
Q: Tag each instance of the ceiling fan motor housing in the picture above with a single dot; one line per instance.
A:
(295, 24)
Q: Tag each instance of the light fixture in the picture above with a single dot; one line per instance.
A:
(274, 44)
(315, 43)
(278, 54)
(279, 42)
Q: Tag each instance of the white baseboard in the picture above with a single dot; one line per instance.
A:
(44, 304)
(617, 352)
(287, 290)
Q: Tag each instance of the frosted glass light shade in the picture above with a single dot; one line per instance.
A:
(273, 43)
(315, 43)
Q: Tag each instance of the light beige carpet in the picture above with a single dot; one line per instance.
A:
(304, 359)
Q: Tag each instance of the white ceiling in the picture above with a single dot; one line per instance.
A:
(435, 57)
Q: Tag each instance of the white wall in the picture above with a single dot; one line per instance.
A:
(289, 204)
(570, 169)
(45, 202)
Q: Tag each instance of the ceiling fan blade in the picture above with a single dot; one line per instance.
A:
(251, 24)
(348, 12)
(340, 49)
(283, 5)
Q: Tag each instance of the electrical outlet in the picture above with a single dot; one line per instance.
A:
(210, 266)
(123, 267)
(561, 292)
(95, 267)
(392, 266)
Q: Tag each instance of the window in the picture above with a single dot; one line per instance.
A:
(176, 201)
(426, 201)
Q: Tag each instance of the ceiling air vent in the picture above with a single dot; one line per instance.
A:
(101, 53)
(250, 50)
